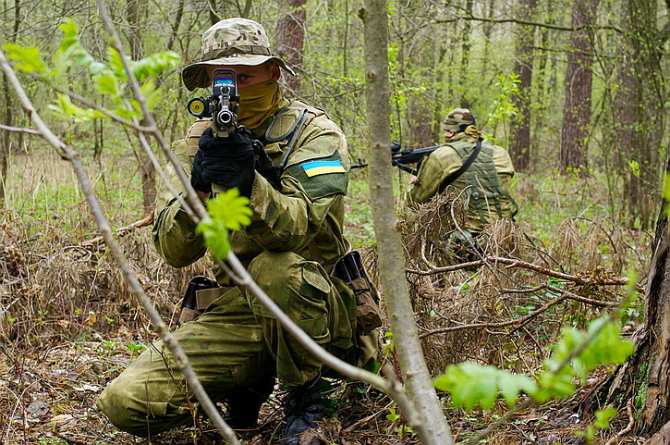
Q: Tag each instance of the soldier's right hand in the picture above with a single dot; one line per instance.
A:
(228, 162)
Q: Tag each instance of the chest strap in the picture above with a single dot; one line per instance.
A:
(463, 168)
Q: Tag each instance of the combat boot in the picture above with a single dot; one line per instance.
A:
(304, 406)
(244, 405)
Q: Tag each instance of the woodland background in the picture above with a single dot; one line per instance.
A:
(577, 91)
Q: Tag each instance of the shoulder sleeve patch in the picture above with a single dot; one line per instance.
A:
(321, 177)
(322, 167)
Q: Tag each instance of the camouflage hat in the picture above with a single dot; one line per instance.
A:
(234, 41)
(459, 119)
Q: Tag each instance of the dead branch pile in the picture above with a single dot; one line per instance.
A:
(52, 286)
(505, 303)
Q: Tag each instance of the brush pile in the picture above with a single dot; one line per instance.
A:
(503, 298)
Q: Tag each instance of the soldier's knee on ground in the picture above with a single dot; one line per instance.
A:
(115, 403)
(135, 409)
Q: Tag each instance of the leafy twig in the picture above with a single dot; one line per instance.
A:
(130, 277)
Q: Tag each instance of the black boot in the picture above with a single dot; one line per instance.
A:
(303, 407)
(244, 405)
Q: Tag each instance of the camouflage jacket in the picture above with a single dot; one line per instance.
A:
(489, 178)
(304, 215)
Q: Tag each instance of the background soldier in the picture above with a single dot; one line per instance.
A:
(235, 345)
(483, 175)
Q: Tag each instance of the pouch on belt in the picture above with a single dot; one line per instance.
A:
(350, 269)
(200, 293)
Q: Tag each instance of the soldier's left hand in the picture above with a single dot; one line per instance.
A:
(228, 162)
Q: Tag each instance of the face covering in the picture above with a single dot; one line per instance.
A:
(258, 102)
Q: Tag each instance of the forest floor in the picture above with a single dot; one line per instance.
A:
(68, 325)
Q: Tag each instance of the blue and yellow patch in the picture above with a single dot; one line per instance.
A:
(316, 168)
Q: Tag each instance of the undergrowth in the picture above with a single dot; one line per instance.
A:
(68, 324)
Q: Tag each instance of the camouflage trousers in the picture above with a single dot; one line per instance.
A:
(236, 344)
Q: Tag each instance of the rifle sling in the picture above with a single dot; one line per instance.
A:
(466, 165)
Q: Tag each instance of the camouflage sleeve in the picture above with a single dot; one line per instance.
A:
(314, 182)
(174, 236)
(173, 231)
(433, 171)
(502, 161)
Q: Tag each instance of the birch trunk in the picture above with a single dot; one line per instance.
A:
(392, 263)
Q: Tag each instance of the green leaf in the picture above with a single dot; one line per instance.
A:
(106, 83)
(471, 385)
(155, 64)
(26, 58)
(116, 64)
(228, 211)
(151, 94)
(230, 208)
(603, 417)
(511, 385)
(64, 108)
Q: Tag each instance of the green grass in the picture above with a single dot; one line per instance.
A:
(44, 193)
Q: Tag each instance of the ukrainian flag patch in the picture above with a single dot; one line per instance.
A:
(316, 168)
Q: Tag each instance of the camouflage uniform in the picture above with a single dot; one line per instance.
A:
(290, 248)
(486, 181)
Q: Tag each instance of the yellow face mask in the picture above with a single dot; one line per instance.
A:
(258, 102)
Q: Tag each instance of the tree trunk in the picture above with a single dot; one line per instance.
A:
(523, 67)
(435, 429)
(488, 30)
(134, 15)
(645, 377)
(465, 54)
(639, 109)
(577, 109)
(6, 146)
(291, 38)
(540, 84)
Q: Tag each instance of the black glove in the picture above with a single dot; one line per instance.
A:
(228, 162)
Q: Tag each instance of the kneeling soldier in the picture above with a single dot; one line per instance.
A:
(236, 346)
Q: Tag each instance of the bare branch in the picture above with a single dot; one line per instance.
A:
(519, 322)
(527, 23)
(212, 9)
(146, 221)
(513, 262)
(20, 130)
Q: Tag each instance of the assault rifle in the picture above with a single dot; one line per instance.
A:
(404, 159)
(222, 106)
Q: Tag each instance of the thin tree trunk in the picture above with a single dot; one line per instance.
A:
(465, 53)
(540, 84)
(291, 38)
(435, 429)
(134, 15)
(639, 112)
(488, 30)
(8, 120)
(575, 130)
(523, 67)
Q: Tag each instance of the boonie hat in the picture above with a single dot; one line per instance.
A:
(458, 119)
(235, 41)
